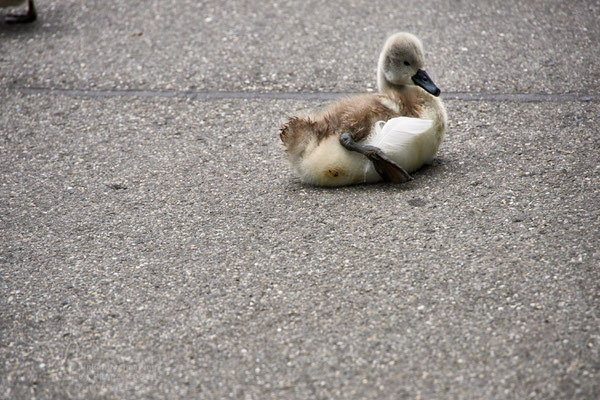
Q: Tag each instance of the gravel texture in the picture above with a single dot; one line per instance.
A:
(156, 247)
(482, 46)
(159, 249)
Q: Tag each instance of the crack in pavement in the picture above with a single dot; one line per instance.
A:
(306, 96)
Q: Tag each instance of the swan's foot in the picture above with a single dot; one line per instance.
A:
(28, 17)
(386, 168)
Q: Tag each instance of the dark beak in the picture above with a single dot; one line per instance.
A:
(423, 80)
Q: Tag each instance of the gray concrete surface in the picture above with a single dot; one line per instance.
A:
(156, 245)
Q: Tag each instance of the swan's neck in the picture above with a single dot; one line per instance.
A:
(391, 86)
(384, 85)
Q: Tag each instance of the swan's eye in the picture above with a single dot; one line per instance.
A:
(406, 63)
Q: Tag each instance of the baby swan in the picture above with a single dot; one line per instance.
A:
(29, 16)
(372, 137)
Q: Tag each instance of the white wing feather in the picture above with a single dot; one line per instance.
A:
(410, 142)
(397, 132)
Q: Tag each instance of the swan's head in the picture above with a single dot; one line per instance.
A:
(401, 64)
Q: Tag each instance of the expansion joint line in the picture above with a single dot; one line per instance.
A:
(306, 96)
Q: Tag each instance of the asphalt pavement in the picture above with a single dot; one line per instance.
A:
(155, 244)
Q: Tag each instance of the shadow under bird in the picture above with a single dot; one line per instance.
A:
(372, 137)
(29, 16)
